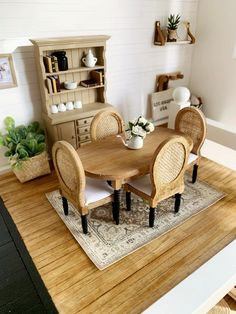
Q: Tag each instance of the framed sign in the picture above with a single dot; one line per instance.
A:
(7, 72)
(160, 104)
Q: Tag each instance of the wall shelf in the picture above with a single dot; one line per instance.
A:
(160, 37)
(81, 69)
(178, 42)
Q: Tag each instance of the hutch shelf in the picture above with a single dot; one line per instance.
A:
(72, 125)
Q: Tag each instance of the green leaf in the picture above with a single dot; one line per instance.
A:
(22, 152)
(173, 21)
(30, 136)
(33, 127)
(8, 153)
(41, 147)
(40, 138)
(32, 145)
(2, 142)
(13, 136)
(9, 122)
(22, 131)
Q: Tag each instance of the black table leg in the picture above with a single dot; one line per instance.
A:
(116, 206)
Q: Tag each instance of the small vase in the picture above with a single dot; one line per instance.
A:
(172, 35)
(136, 142)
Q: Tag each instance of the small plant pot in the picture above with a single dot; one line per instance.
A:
(32, 168)
(172, 35)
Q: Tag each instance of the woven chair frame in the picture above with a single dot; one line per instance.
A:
(166, 171)
(70, 174)
(191, 121)
(105, 123)
(168, 168)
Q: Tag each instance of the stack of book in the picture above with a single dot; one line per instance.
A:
(53, 84)
(89, 83)
(96, 79)
(51, 64)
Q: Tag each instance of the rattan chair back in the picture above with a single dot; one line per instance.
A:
(192, 122)
(168, 167)
(105, 123)
(70, 172)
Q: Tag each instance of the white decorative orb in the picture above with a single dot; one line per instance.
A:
(181, 94)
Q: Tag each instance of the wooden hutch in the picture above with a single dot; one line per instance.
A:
(73, 125)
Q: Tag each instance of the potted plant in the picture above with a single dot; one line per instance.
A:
(26, 149)
(173, 22)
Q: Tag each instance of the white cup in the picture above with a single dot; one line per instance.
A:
(54, 109)
(77, 104)
(69, 105)
(61, 107)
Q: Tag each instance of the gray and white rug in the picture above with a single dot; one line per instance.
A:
(107, 243)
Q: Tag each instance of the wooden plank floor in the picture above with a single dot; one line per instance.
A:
(135, 282)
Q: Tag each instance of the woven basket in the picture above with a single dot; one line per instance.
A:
(34, 167)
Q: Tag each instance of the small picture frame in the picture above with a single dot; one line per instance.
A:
(7, 72)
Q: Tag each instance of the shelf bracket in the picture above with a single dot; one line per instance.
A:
(159, 38)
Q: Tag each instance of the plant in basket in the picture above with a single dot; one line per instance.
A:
(26, 149)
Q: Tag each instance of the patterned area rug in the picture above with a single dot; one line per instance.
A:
(107, 243)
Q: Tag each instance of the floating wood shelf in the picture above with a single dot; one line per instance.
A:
(178, 42)
(160, 37)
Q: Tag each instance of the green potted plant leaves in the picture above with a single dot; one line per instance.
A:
(173, 22)
(26, 149)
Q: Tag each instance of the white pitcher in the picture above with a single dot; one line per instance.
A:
(135, 142)
(89, 60)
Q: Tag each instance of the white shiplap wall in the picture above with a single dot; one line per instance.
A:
(132, 60)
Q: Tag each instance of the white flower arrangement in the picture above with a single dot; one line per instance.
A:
(140, 127)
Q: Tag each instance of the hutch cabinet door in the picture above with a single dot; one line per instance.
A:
(66, 132)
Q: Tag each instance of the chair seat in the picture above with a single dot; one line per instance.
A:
(96, 190)
(142, 184)
(192, 157)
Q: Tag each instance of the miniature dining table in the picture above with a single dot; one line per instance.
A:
(109, 159)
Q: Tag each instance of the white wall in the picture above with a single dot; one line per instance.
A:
(132, 60)
(213, 68)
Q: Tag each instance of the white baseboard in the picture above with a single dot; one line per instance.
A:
(221, 133)
(219, 153)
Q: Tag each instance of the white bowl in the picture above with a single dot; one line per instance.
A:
(70, 84)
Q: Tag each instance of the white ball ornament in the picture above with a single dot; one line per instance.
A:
(181, 95)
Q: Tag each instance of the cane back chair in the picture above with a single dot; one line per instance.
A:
(192, 122)
(105, 123)
(83, 192)
(166, 176)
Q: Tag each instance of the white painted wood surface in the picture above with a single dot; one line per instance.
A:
(214, 69)
(132, 60)
(204, 288)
